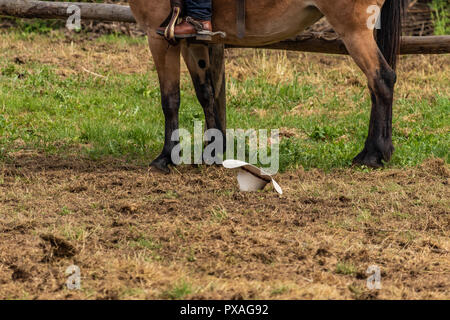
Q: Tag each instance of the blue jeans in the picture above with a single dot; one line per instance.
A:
(199, 9)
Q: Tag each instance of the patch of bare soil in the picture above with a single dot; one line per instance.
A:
(136, 233)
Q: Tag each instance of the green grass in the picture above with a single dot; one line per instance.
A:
(279, 290)
(64, 211)
(219, 214)
(120, 115)
(345, 268)
(441, 18)
(145, 243)
(178, 291)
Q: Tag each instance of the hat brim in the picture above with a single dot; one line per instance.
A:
(258, 172)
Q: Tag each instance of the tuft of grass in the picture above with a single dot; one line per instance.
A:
(219, 214)
(345, 268)
(170, 194)
(364, 215)
(64, 211)
(401, 215)
(178, 291)
(191, 256)
(145, 243)
(280, 290)
(77, 233)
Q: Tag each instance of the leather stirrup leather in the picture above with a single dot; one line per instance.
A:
(240, 18)
(172, 20)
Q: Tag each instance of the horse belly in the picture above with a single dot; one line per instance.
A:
(266, 21)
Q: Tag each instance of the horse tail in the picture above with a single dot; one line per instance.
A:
(389, 36)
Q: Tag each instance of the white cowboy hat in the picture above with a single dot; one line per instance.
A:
(251, 178)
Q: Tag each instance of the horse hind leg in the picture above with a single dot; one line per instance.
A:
(167, 62)
(207, 69)
(382, 78)
(361, 45)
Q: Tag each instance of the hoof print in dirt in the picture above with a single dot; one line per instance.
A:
(56, 248)
(19, 273)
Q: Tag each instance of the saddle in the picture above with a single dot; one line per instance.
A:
(176, 17)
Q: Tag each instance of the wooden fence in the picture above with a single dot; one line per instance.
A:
(309, 42)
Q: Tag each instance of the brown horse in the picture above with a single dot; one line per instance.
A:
(270, 21)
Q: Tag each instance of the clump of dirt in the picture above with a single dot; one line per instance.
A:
(19, 274)
(58, 248)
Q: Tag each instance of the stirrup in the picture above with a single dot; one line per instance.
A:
(202, 34)
(169, 32)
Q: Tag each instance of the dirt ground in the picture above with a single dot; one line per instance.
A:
(136, 233)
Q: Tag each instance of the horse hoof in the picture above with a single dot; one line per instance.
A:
(161, 164)
(370, 160)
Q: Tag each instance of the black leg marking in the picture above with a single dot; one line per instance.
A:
(202, 64)
(171, 105)
(378, 146)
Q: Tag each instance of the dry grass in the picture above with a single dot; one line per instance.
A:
(73, 55)
(138, 234)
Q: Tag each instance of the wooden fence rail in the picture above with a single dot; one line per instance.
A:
(309, 42)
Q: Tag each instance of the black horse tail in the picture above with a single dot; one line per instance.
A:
(389, 36)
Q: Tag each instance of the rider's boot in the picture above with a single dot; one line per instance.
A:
(190, 28)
